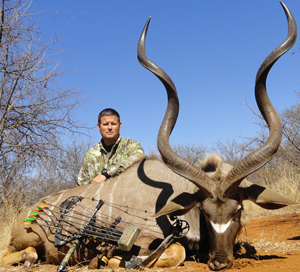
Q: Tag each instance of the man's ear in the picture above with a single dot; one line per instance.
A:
(98, 126)
(120, 125)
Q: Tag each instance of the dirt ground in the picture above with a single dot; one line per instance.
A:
(267, 245)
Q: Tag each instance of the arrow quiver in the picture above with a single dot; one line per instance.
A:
(107, 236)
(62, 266)
(66, 206)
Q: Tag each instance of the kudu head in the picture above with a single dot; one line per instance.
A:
(221, 191)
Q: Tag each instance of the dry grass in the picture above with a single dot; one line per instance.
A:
(7, 217)
(284, 181)
(271, 245)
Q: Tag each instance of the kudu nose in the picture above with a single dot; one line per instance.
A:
(218, 264)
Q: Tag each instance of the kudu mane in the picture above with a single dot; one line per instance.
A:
(212, 165)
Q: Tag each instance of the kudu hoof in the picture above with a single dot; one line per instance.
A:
(93, 263)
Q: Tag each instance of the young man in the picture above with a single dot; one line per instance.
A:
(112, 155)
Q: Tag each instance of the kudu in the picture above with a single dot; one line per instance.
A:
(215, 191)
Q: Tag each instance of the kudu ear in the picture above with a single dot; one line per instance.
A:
(180, 205)
(265, 197)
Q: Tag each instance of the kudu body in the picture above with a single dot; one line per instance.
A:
(175, 187)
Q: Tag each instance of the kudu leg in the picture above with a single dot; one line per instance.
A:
(173, 256)
(27, 256)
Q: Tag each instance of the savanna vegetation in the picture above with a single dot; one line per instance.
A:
(36, 114)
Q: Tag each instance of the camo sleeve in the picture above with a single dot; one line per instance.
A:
(128, 153)
(83, 175)
(92, 165)
(125, 153)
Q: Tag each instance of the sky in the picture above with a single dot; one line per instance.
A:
(211, 50)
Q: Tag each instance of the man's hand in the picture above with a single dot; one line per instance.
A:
(98, 179)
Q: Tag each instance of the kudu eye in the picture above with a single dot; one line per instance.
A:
(201, 208)
(239, 209)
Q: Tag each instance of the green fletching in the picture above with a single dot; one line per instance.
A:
(39, 208)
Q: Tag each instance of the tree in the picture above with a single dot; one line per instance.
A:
(192, 153)
(35, 112)
(234, 150)
(289, 151)
(291, 130)
(55, 175)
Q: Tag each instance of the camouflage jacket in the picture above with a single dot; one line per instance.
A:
(124, 153)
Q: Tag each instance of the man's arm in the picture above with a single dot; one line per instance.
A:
(129, 153)
(83, 177)
(89, 168)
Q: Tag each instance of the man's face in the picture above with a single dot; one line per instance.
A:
(109, 129)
